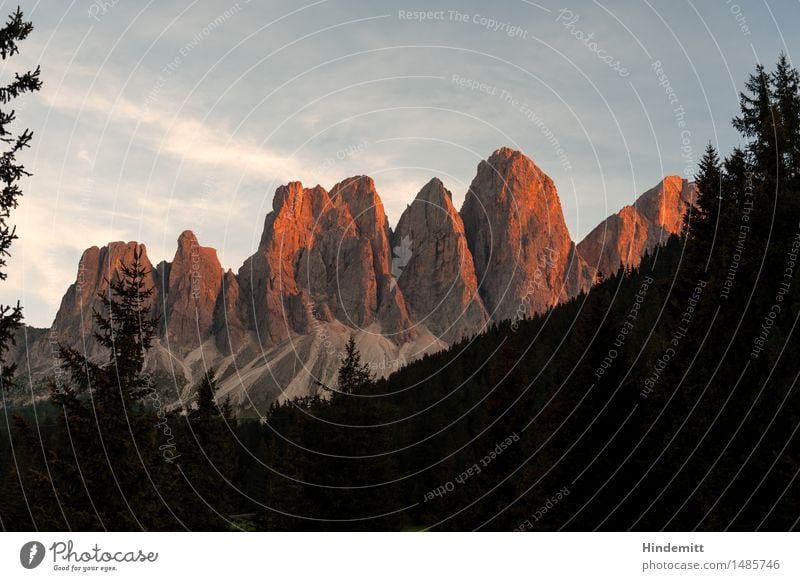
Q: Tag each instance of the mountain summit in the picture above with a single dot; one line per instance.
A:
(328, 266)
(437, 275)
(525, 260)
(622, 239)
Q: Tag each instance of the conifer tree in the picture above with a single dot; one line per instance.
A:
(757, 121)
(702, 221)
(208, 457)
(15, 30)
(354, 376)
(785, 83)
(113, 431)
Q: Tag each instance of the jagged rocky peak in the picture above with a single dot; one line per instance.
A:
(434, 267)
(625, 236)
(192, 290)
(73, 321)
(270, 300)
(383, 302)
(666, 203)
(300, 202)
(322, 256)
(359, 196)
(525, 260)
(228, 330)
(328, 266)
(433, 206)
(295, 213)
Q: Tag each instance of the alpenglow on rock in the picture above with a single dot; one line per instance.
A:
(323, 257)
(328, 267)
(525, 260)
(624, 237)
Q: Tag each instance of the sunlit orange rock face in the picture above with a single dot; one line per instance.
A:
(525, 260)
(323, 257)
(624, 237)
(328, 266)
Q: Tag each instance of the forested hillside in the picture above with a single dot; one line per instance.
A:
(664, 398)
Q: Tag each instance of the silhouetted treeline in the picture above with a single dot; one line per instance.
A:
(665, 398)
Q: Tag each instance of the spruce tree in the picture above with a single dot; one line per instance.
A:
(15, 30)
(114, 433)
(207, 458)
(354, 376)
(785, 87)
(757, 122)
(702, 220)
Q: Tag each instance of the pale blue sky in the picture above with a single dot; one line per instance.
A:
(164, 116)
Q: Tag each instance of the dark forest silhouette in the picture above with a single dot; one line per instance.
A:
(664, 398)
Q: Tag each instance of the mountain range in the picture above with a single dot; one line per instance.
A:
(328, 266)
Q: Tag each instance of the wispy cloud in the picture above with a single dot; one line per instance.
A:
(180, 136)
(125, 150)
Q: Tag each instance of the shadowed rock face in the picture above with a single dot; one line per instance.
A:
(228, 330)
(192, 290)
(74, 321)
(624, 237)
(358, 198)
(328, 267)
(434, 266)
(525, 260)
(185, 293)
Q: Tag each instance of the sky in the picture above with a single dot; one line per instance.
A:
(162, 116)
